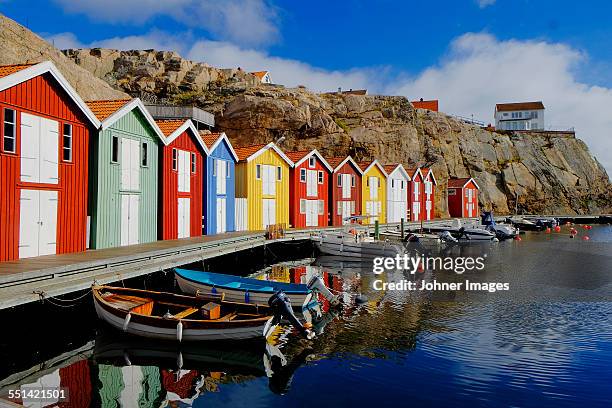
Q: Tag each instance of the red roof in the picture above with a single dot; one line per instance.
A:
(458, 182)
(210, 138)
(298, 155)
(104, 109)
(169, 126)
(259, 74)
(390, 167)
(430, 105)
(365, 165)
(501, 107)
(244, 152)
(6, 70)
(335, 161)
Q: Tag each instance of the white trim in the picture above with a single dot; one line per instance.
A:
(418, 170)
(187, 125)
(128, 107)
(380, 167)
(273, 147)
(355, 165)
(316, 153)
(402, 170)
(43, 68)
(468, 182)
(222, 137)
(430, 171)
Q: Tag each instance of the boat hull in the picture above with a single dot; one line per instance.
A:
(193, 287)
(332, 245)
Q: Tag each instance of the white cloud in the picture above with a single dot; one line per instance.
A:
(480, 71)
(283, 71)
(251, 22)
(485, 3)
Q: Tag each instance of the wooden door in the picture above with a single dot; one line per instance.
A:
(184, 171)
(269, 211)
(311, 183)
(346, 186)
(221, 215)
(38, 223)
(130, 164)
(221, 171)
(184, 217)
(269, 179)
(130, 219)
(39, 150)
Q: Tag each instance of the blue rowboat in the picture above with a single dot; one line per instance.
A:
(239, 289)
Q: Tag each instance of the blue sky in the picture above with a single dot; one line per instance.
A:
(470, 54)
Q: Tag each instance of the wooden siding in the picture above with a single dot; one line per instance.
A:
(169, 188)
(297, 191)
(336, 192)
(42, 96)
(415, 178)
(398, 177)
(222, 152)
(105, 183)
(249, 187)
(374, 171)
(457, 203)
(424, 215)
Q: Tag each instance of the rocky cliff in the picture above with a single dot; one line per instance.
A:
(531, 172)
(18, 45)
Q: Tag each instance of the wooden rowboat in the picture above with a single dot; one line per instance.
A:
(168, 316)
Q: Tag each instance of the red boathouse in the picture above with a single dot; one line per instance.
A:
(345, 186)
(45, 136)
(428, 192)
(463, 197)
(308, 189)
(182, 181)
(415, 194)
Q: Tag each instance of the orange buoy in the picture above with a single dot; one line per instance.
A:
(547, 230)
(517, 238)
(557, 229)
(589, 227)
(585, 238)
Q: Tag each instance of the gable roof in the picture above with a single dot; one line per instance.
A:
(365, 166)
(337, 162)
(461, 182)
(300, 156)
(248, 153)
(390, 168)
(431, 105)
(16, 74)
(174, 128)
(413, 171)
(213, 140)
(110, 111)
(426, 172)
(259, 74)
(501, 107)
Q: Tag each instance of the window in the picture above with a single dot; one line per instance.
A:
(145, 154)
(279, 173)
(451, 191)
(392, 183)
(402, 184)
(67, 142)
(321, 207)
(194, 162)
(339, 180)
(302, 175)
(8, 144)
(352, 180)
(115, 149)
(227, 169)
(174, 159)
(368, 181)
(534, 114)
(302, 206)
(312, 162)
(320, 179)
(258, 171)
(214, 165)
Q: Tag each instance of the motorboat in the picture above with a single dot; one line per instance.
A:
(523, 224)
(168, 316)
(502, 231)
(463, 232)
(249, 290)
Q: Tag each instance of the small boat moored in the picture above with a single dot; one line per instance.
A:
(168, 316)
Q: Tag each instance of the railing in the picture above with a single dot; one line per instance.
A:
(181, 112)
(470, 121)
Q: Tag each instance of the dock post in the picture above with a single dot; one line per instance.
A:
(402, 227)
(376, 230)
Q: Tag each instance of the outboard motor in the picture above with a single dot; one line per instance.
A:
(447, 237)
(281, 307)
(316, 284)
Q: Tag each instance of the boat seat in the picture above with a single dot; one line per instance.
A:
(126, 302)
(227, 317)
(185, 313)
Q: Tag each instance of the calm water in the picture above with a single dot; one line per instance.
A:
(547, 342)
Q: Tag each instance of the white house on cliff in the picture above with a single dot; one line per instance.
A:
(519, 116)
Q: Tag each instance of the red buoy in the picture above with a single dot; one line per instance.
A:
(557, 229)
(585, 238)
(517, 238)
(547, 230)
(589, 227)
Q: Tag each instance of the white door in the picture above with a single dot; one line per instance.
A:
(130, 220)
(311, 183)
(130, 164)
(38, 223)
(39, 149)
(221, 215)
(312, 213)
(220, 170)
(269, 212)
(373, 188)
(346, 211)
(428, 210)
(184, 171)
(346, 186)
(241, 214)
(183, 217)
(416, 209)
(269, 179)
